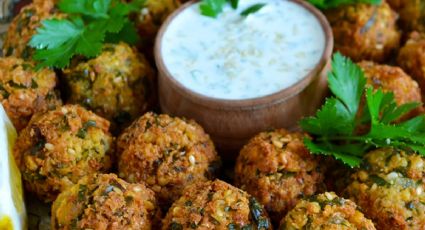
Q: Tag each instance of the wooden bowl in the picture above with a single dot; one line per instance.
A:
(231, 123)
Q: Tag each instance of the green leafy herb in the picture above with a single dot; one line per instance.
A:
(4, 92)
(234, 3)
(252, 9)
(82, 133)
(338, 129)
(212, 8)
(89, 24)
(17, 85)
(327, 4)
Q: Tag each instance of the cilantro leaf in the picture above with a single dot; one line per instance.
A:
(324, 122)
(347, 81)
(49, 35)
(89, 25)
(340, 130)
(327, 4)
(211, 8)
(90, 8)
(234, 3)
(252, 9)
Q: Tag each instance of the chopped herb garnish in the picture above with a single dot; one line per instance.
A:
(212, 8)
(256, 211)
(175, 226)
(82, 189)
(34, 84)
(17, 85)
(129, 200)
(89, 24)
(378, 180)
(4, 92)
(82, 133)
(252, 9)
(232, 226)
(327, 4)
(39, 146)
(335, 126)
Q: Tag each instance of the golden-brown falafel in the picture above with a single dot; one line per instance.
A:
(277, 169)
(59, 147)
(167, 154)
(25, 91)
(216, 205)
(364, 32)
(118, 84)
(326, 211)
(389, 188)
(104, 201)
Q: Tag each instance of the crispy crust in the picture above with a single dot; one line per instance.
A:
(167, 154)
(59, 147)
(389, 187)
(365, 32)
(24, 26)
(118, 84)
(412, 58)
(215, 205)
(104, 201)
(277, 169)
(25, 91)
(326, 211)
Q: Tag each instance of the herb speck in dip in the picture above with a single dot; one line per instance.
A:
(236, 57)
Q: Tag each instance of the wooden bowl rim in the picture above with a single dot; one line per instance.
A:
(251, 103)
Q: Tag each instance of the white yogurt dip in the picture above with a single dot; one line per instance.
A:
(234, 57)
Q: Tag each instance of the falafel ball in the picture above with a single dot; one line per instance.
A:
(393, 79)
(151, 17)
(365, 32)
(103, 201)
(25, 91)
(326, 211)
(277, 169)
(411, 12)
(117, 84)
(389, 188)
(412, 58)
(216, 205)
(59, 147)
(24, 26)
(167, 154)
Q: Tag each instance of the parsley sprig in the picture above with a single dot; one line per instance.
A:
(89, 24)
(327, 4)
(212, 8)
(347, 125)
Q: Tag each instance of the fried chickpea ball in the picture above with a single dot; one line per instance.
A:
(25, 91)
(216, 205)
(326, 211)
(389, 188)
(103, 201)
(412, 58)
(118, 84)
(59, 147)
(277, 169)
(167, 154)
(364, 32)
(24, 26)
(393, 79)
(412, 13)
(151, 17)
